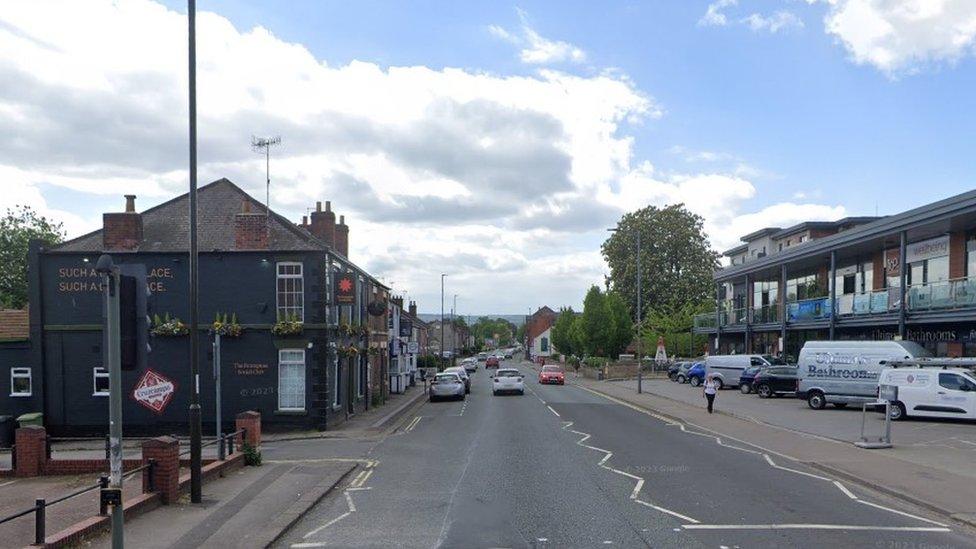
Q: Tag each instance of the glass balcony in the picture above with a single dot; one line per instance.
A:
(946, 294)
(867, 303)
(817, 308)
(705, 320)
(735, 317)
(765, 314)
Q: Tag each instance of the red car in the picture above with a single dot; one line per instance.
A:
(492, 362)
(552, 374)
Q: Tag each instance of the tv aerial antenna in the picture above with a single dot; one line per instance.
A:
(263, 145)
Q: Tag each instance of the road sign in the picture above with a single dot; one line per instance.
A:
(413, 347)
(888, 392)
(154, 391)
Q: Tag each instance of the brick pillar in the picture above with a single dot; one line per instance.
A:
(31, 451)
(957, 255)
(252, 422)
(166, 451)
(878, 271)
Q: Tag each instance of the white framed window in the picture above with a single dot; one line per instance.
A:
(20, 382)
(335, 382)
(100, 381)
(291, 291)
(291, 379)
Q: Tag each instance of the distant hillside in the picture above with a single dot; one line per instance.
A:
(518, 320)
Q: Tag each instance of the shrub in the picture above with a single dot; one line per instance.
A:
(595, 361)
(252, 456)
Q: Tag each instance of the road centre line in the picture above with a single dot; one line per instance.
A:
(765, 454)
(553, 411)
(812, 527)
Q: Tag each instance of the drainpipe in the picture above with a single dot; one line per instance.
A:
(833, 292)
(782, 301)
(749, 304)
(902, 251)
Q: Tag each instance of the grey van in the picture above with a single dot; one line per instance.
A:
(726, 369)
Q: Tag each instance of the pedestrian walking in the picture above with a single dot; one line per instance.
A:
(709, 388)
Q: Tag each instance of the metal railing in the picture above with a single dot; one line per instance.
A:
(736, 316)
(704, 320)
(765, 314)
(41, 504)
(225, 441)
(818, 308)
(945, 294)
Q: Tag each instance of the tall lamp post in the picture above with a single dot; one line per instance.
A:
(454, 327)
(442, 317)
(196, 478)
(640, 364)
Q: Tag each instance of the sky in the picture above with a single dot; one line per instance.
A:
(491, 141)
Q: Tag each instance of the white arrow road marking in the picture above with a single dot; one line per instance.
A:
(766, 456)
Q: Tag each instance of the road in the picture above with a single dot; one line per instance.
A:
(563, 467)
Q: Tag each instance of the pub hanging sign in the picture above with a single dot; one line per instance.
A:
(345, 289)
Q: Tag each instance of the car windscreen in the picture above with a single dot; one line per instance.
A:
(551, 369)
(508, 373)
(446, 378)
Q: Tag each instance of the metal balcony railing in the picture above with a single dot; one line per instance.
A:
(765, 314)
(818, 308)
(704, 320)
(958, 293)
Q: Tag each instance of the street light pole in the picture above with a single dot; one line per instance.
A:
(454, 327)
(442, 317)
(196, 478)
(110, 282)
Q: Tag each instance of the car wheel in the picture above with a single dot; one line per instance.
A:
(897, 411)
(494, 393)
(432, 399)
(671, 377)
(764, 391)
(462, 397)
(522, 392)
(719, 384)
(680, 378)
(695, 381)
(817, 400)
(467, 390)
(745, 388)
(840, 405)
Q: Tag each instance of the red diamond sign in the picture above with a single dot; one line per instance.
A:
(154, 391)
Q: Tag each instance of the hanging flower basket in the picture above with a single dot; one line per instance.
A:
(345, 329)
(226, 328)
(168, 327)
(288, 326)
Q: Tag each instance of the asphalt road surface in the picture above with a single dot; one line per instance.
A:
(563, 467)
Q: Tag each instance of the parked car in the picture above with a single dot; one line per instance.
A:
(552, 374)
(844, 372)
(747, 378)
(509, 354)
(507, 380)
(682, 375)
(470, 365)
(776, 381)
(727, 369)
(696, 374)
(932, 391)
(447, 385)
(482, 357)
(674, 368)
(463, 374)
(492, 362)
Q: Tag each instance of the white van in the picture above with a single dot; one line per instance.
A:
(932, 391)
(726, 369)
(845, 372)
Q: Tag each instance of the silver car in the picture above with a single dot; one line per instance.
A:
(446, 385)
(463, 374)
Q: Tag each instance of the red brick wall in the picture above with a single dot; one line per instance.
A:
(250, 231)
(121, 231)
(342, 240)
(323, 223)
(166, 453)
(957, 254)
(878, 273)
(31, 450)
(252, 422)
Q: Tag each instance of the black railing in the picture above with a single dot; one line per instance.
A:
(225, 441)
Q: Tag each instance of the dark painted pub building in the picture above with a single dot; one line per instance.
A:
(255, 267)
(909, 276)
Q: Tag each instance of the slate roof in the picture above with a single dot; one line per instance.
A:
(166, 226)
(14, 324)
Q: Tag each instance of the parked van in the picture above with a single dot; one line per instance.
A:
(931, 390)
(726, 369)
(845, 372)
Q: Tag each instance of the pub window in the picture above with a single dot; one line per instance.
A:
(100, 381)
(291, 291)
(291, 379)
(20, 382)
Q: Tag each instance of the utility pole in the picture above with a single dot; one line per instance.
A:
(454, 327)
(196, 477)
(110, 285)
(442, 317)
(217, 406)
(264, 144)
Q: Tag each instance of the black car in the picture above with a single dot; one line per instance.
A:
(776, 381)
(747, 377)
(675, 368)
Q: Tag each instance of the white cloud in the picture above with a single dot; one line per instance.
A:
(780, 20)
(903, 36)
(536, 49)
(714, 17)
(504, 181)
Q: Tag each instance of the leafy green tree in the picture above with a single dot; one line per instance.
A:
(677, 260)
(563, 332)
(520, 333)
(621, 328)
(493, 328)
(18, 227)
(594, 323)
(675, 327)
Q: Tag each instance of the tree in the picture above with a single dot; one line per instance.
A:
(492, 328)
(17, 228)
(563, 332)
(621, 328)
(594, 323)
(675, 327)
(677, 261)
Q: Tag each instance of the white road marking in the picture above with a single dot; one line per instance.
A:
(352, 509)
(412, 424)
(667, 511)
(764, 452)
(553, 411)
(812, 527)
(7, 483)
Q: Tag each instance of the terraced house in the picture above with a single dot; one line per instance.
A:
(909, 276)
(304, 329)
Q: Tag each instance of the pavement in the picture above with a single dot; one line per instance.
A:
(564, 466)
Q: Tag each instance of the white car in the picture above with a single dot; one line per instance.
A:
(932, 391)
(470, 365)
(463, 374)
(446, 385)
(508, 380)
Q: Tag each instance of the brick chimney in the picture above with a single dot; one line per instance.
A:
(323, 223)
(413, 309)
(342, 240)
(250, 229)
(122, 231)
